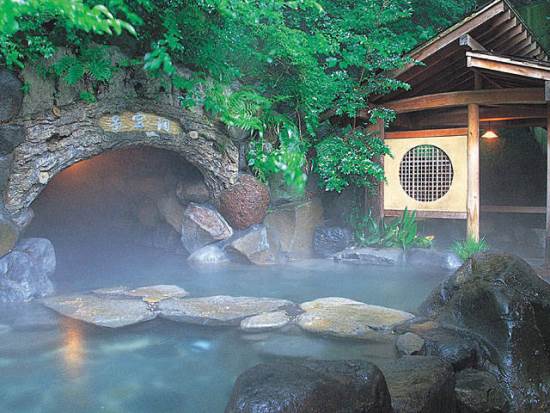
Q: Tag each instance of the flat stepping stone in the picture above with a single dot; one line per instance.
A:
(218, 310)
(102, 311)
(149, 294)
(156, 293)
(342, 317)
(265, 321)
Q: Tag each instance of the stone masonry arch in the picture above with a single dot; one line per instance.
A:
(56, 139)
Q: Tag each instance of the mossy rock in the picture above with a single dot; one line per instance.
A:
(8, 236)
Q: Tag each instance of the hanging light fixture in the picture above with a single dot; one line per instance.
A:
(490, 133)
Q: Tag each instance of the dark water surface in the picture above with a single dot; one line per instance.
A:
(52, 364)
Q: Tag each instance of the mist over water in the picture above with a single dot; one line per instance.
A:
(91, 213)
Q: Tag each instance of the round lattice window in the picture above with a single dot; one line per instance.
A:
(426, 173)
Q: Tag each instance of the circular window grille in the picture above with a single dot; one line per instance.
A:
(426, 173)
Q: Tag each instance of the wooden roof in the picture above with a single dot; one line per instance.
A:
(495, 32)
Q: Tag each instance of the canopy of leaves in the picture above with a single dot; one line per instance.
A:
(270, 67)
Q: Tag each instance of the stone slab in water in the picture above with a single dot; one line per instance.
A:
(102, 311)
(156, 293)
(371, 256)
(218, 310)
(342, 317)
(310, 386)
(265, 321)
(419, 384)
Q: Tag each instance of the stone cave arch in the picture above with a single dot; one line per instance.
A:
(57, 139)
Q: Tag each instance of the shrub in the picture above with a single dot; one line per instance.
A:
(465, 249)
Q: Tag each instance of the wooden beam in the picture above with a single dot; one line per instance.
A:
(511, 209)
(427, 214)
(547, 91)
(507, 65)
(463, 98)
(472, 207)
(453, 33)
(468, 41)
(427, 133)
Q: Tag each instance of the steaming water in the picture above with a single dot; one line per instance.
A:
(53, 364)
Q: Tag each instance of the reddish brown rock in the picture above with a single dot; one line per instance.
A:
(245, 203)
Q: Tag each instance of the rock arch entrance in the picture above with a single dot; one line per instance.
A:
(51, 142)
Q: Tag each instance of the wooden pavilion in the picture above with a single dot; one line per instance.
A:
(486, 71)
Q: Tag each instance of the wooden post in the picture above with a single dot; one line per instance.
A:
(472, 207)
(376, 203)
(547, 243)
(382, 132)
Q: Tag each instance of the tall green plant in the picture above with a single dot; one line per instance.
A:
(401, 232)
(275, 68)
(469, 247)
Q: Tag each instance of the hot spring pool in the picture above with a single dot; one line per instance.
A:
(52, 364)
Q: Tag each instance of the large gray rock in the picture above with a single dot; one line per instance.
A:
(409, 344)
(23, 219)
(194, 191)
(9, 233)
(253, 247)
(25, 272)
(12, 95)
(420, 384)
(172, 211)
(479, 392)
(10, 137)
(218, 310)
(502, 301)
(202, 226)
(371, 256)
(329, 240)
(342, 317)
(210, 254)
(101, 310)
(293, 225)
(311, 386)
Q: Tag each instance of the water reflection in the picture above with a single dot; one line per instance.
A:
(73, 346)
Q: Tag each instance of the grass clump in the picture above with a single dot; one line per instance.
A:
(469, 247)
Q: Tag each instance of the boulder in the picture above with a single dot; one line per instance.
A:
(172, 211)
(311, 386)
(194, 191)
(409, 344)
(25, 272)
(10, 136)
(420, 384)
(328, 240)
(9, 233)
(253, 247)
(12, 95)
(342, 317)
(23, 219)
(245, 203)
(479, 392)
(210, 254)
(293, 225)
(101, 310)
(218, 310)
(371, 256)
(202, 226)
(265, 321)
(501, 300)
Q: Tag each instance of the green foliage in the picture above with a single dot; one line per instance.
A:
(274, 68)
(400, 232)
(350, 160)
(469, 247)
